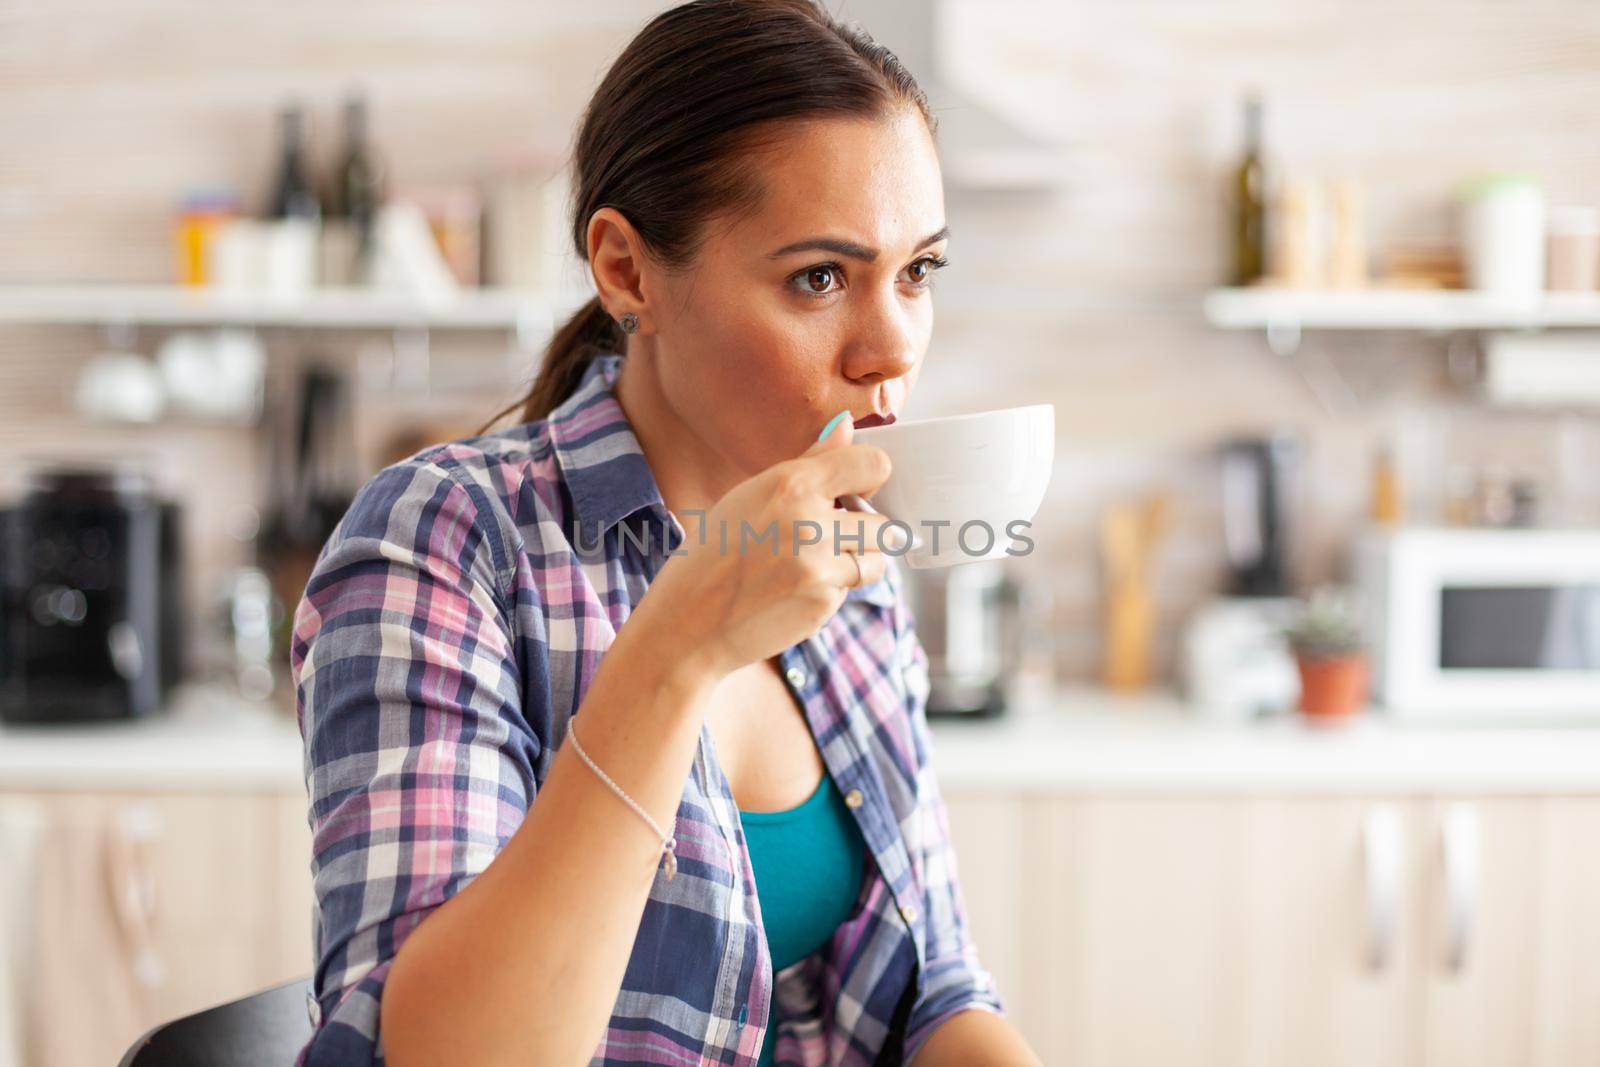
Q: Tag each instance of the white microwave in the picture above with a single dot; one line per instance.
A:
(1483, 623)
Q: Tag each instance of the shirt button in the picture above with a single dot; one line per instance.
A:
(853, 799)
(909, 913)
(796, 676)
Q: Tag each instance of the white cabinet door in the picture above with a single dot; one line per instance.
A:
(1144, 929)
(1512, 956)
(1104, 921)
(1328, 892)
(1481, 861)
(988, 831)
(152, 906)
(1236, 931)
(232, 902)
(1232, 931)
(1567, 937)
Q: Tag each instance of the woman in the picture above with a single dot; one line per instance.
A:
(744, 856)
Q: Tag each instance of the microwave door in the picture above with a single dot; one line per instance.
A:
(1574, 639)
(1520, 628)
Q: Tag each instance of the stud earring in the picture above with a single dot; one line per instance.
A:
(629, 322)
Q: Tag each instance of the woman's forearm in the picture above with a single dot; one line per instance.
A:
(975, 1038)
(529, 957)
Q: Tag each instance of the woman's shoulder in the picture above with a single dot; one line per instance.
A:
(502, 463)
(489, 480)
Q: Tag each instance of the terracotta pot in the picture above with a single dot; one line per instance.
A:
(1333, 686)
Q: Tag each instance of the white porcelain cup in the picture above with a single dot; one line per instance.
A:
(967, 485)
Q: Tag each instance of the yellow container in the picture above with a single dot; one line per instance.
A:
(202, 213)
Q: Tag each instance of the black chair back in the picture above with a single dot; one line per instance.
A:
(270, 1027)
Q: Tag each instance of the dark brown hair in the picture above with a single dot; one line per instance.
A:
(668, 138)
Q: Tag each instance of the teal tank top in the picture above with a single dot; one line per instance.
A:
(808, 863)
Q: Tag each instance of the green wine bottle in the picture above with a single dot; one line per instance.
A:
(1249, 201)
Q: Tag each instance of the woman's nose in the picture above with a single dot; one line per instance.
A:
(885, 340)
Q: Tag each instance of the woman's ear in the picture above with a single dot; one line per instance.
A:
(617, 261)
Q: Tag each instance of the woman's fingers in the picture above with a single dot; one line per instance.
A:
(866, 532)
(860, 469)
(835, 465)
(873, 567)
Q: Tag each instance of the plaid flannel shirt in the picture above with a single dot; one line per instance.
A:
(446, 638)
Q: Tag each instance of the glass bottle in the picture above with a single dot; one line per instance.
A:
(1249, 201)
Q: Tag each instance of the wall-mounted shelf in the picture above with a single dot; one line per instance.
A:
(1288, 311)
(525, 311)
(1284, 314)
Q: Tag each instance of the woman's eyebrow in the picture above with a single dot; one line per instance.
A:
(849, 248)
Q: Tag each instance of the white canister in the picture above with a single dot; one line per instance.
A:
(236, 256)
(1505, 234)
(291, 265)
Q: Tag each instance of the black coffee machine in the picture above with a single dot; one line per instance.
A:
(91, 598)
(1257, 481)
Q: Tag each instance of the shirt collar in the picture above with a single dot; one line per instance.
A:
(605, 468)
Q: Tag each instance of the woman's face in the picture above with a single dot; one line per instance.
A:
(816, 302)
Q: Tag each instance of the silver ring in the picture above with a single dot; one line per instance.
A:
(857, 557)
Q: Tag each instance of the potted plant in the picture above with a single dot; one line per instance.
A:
(1325, 636)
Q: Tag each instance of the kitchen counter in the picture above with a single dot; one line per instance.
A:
(1061, 739)
(1088, 739)
(209, 739)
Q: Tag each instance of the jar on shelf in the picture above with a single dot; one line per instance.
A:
(1505, 234)
(204, 210)
(1574, 249)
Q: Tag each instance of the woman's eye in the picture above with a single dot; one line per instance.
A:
(823, 279)
(921, 270)
(819, 279)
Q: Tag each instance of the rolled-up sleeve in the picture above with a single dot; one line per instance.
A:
(419, 762)
(953, 979)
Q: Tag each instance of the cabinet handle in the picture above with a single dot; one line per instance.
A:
(134, 832)
(1381, 844)
(1459, 841)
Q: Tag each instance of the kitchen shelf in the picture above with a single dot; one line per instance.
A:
(1431, 310)
(328, 308)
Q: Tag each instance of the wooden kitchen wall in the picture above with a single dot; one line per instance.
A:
(1087, 297)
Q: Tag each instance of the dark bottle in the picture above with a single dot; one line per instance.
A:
(292, 196)
(1249, 201)
(358, 186)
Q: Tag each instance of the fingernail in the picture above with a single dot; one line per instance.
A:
(826, 430)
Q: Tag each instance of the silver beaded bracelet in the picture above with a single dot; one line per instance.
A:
(669, 843)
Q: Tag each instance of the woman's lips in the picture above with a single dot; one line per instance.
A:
(873, 419)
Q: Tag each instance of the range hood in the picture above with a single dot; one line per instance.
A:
(979, 149)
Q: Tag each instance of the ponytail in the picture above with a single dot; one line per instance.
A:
(588, 333)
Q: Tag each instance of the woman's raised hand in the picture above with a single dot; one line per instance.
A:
(771, 564)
